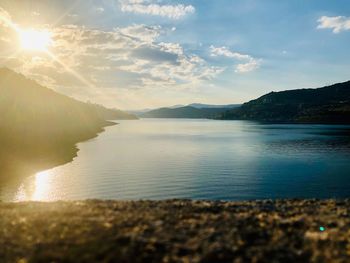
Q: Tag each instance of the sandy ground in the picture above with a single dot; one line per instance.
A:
(176, 231)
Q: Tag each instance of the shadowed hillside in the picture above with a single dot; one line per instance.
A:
(329, 104)
(39, 127)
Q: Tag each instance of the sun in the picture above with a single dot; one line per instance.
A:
(35, 40)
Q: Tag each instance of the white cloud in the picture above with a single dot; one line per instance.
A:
(224, 51)
(141, 33)
(336, 23)
(248, 67)
(126, 63)
(174, 48)
(247, 62)
(135, 50)
(99, 10)
(114, 63)
(35, 13)
(151, 7)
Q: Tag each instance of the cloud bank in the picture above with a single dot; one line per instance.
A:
(114, 63)
(336, 23)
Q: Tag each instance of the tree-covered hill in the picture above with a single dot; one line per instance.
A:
(329, 104)
(39, 125)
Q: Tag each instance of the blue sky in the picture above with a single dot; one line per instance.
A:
(136, 54)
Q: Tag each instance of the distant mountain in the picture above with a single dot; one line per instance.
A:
(194, 111)
(176, 106)
(201, 106)
(185, 112)
(140, 112)
(112, 114)
(38, 124)
(329, 104)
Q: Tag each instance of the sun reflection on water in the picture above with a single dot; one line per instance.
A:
(36, 188)
(42, 186)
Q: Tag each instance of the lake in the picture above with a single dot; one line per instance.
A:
(198, 159)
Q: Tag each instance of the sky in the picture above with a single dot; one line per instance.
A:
(136, 54)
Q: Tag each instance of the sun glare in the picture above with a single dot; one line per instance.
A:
(35, 40)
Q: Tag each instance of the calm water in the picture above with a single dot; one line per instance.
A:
(201, 159)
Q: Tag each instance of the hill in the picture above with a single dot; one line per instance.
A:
(185, 112)
(330, 104)
(39, 126)
(202, 106)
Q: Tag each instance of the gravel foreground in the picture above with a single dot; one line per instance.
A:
(176, 231)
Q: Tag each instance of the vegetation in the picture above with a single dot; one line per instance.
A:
(39, 127)
(329, 104)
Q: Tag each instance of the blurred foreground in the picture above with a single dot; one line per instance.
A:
(176, 231)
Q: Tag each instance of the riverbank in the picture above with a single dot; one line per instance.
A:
(176, 231)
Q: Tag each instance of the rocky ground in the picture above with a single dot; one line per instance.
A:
(176, 231)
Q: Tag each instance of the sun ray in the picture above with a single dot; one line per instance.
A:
(9, 23)
(70, 70)
(66, 12)
(13, 26)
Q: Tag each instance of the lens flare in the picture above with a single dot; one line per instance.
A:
(35, 40)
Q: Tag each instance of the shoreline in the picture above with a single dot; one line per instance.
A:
(49, 158)
(298, 230)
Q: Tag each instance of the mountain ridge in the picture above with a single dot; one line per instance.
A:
(329, 104)
(185, 112)
(201, 105)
